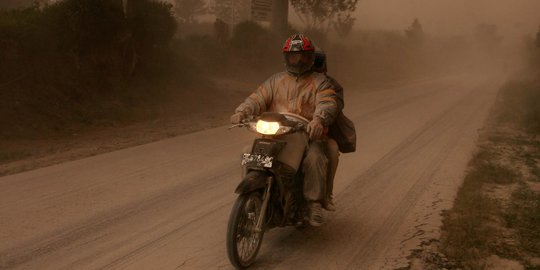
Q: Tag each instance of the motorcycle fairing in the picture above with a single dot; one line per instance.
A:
(267, 147)
(252, 181)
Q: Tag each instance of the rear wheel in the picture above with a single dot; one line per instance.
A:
(243, 240)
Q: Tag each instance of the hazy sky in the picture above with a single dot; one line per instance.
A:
(450, 16)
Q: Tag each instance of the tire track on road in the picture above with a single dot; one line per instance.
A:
(362, 198)
(453, 119)
(93, 227)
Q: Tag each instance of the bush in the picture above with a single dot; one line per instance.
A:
(522, 99)
(76, 60)
(152, 24)
(251, 50)
(256, 47)
(203, 54)
(18, 40)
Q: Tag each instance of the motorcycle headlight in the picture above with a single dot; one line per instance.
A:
(270, 128)
(267, 128)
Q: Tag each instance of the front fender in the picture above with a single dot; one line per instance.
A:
(254, 180)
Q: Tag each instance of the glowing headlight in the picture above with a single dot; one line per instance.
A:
(267, 128)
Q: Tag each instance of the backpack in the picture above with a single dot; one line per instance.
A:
(344, 132)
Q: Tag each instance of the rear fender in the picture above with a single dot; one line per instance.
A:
(252, 181)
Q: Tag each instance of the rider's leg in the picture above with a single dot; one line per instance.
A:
(315, 167)
(332, 152)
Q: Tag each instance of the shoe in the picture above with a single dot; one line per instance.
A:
(315, 216)
(329, 205)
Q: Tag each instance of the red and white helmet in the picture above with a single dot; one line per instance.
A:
(299, 54)
(298, 43)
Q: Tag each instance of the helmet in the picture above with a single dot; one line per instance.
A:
(299, 53)
(319, 64)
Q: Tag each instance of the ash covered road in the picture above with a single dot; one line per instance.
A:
(165, 205)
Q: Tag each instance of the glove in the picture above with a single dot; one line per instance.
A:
(315, 128)
(237, 118)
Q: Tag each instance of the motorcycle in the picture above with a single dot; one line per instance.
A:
(271, 192)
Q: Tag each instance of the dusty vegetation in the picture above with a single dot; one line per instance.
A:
(82, 74)
(495, 218)
(77, 62)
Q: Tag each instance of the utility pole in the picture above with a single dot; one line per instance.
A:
(280, 16)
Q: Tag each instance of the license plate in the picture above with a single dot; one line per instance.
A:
(257, 160)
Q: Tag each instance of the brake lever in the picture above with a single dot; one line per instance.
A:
(300, 127)
(240, 125)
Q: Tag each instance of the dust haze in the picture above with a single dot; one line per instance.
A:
(90, 77)
(110, 82)
(139, 78)
(457, 35)
(454, 17)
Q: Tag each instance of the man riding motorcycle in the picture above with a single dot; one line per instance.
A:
(301, 91)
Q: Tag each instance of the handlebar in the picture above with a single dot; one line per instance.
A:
(240, 125)
(301, 122)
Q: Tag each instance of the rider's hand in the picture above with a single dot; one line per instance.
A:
(315, 128)
(237, 118)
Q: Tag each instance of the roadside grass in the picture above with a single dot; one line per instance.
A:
(470, 226)
(497, 210)
(522, 105)
(11, 155)
(486, 169)
(524, 217)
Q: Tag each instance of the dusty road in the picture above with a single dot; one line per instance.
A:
(165, 205)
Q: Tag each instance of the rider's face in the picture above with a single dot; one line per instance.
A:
(295, 58)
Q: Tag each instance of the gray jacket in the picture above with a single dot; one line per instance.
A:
(310, 95)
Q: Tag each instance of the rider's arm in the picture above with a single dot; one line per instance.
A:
(326, 108)
(339, 92)
(258, 102)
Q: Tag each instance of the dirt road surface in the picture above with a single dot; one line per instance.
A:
(165, 205)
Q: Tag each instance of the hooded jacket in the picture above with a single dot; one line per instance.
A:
(310, 95)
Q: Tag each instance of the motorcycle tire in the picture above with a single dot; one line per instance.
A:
(243, 241)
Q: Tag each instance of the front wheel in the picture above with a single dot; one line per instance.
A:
(243, 240)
